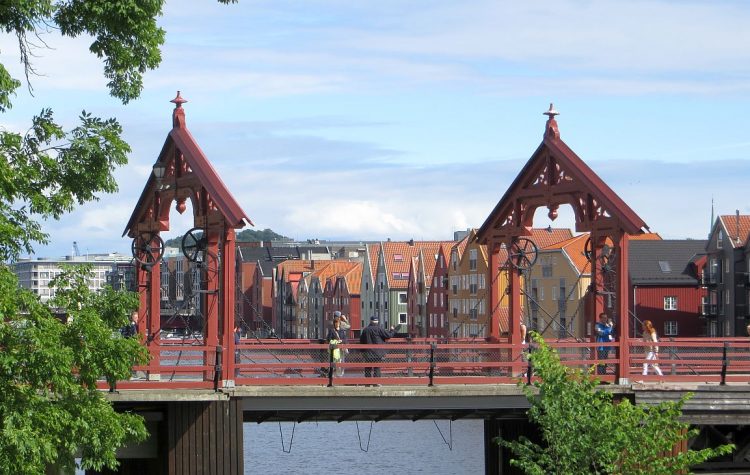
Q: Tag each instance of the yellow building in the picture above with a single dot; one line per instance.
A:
(468, 274)
(557, 288)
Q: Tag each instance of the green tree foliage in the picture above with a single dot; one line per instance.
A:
(251, 235)
(49, 405)
(248, 235)
(585, 431)
(50, 408)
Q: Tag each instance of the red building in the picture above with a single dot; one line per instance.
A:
(437, 299)
(665, 286)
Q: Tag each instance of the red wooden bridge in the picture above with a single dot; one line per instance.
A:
(424, 362)
(195, 393)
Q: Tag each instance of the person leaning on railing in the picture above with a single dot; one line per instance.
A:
(604, 328)
(337, 335)
(374, 334)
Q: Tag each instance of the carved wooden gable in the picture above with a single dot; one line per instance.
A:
(187, 175)
(553, 176)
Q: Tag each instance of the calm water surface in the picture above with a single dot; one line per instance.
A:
(396, 447)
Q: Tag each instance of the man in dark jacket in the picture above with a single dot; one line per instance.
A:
(131, 329)
(374, 334)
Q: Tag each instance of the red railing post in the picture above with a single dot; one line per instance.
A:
(217, 367)
(623, 301)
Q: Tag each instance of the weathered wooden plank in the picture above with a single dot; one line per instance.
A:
(200, 449)
(206, 416)
(171, 439)
(226, 430)
(233, 446)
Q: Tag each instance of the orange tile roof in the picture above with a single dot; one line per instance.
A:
(286, 268)
(326, 269)
(737, 230)
(407, 251)
(542, 237)
(353, 279)
(374, 254)
(574, 248)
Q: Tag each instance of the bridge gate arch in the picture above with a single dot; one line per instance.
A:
(182, 172)
(555, 175)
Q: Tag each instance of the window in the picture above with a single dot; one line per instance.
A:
(454, 259)
(472, 259)
(547, 270)
(563, 291)
(670, 303)
(398, 257)
(402, 297)
(719, 239)
(402, 318)
(670, 328)
(473, 313)
(714, 271)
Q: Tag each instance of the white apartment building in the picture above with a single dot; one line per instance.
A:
(36, 274)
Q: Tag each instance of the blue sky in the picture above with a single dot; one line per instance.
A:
(369, 120)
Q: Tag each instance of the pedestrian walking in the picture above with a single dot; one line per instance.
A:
(652, 349)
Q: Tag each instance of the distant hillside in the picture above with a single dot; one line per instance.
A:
(248, 235)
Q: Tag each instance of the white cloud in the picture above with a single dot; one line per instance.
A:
(348, 218)
(427, 82)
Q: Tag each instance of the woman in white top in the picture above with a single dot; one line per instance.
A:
(649, 336)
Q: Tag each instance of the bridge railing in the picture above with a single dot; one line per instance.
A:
(712, 360)
(428, 362)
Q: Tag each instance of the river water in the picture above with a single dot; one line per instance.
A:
(395, 447)
(386, 447)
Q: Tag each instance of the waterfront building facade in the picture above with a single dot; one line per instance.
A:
(726, 276)
(369, 303)
(437, 298)
(468, 289)
(665, 286)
